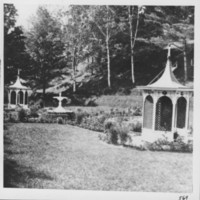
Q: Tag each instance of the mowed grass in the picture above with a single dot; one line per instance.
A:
(66, 157)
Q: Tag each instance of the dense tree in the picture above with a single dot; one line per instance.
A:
(15, 56)
(104, 28)
(45, 47)
(117, 34)
(123, 45)
(75, 36)
(178, 29)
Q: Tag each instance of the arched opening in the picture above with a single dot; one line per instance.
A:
(148, 112)
(164, 111)
(26, 98)
(13, 97)
(181, 112)
(21, 95)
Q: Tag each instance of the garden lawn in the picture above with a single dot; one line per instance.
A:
(67, 157)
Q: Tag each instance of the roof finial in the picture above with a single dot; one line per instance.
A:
(18, 72)
(169, 51)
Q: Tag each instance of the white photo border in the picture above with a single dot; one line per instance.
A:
(7, 193)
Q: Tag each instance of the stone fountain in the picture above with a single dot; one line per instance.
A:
(60, 110)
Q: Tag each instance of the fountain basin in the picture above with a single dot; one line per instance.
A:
(60, 110)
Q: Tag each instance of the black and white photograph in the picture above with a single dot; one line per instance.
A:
(99, 97)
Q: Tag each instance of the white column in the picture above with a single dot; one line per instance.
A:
(9, 98)
(143, 97)
(16, 92)
(24, 93)
(155, 99)
(27, 97)
(187, 113)
(175, 122)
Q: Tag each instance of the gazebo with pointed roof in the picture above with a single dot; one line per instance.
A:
(18, 94)
(166, 106)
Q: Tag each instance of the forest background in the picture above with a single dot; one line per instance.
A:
(86, 51)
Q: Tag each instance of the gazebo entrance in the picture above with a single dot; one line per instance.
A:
(163, 114)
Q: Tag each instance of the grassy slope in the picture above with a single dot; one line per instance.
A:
(66, 157)
(107, 102)
(118, 101)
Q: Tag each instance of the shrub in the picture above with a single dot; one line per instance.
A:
(181, 146)
(112, 135)
(137, 127)
(117, 133)
(79, 117)
(33, 113)
(102, 118)
(71, 116)
(43, 118)
(108, 124)
(137, 111)
(60, 120)
(93, 123)
(14, 117)
(22, 115)
(33, 110)
(6, 116)
(123, 132)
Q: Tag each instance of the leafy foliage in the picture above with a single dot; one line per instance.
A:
(15, 56)
(45, 48)
(87, 49)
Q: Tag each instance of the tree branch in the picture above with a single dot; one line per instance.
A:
(100, 29)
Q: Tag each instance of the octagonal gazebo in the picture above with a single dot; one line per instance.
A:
(18, 94)
(166, 106)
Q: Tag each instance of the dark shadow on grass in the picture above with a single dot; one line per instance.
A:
(15, 174)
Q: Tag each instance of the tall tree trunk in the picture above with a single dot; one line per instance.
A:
(130, 10)
(108, 61)
(74, 71)
(185, 63)
(108, 50)
(132, 39)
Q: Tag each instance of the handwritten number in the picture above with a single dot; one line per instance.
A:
(183, 198)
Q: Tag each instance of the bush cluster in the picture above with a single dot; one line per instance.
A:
(136, 127)
(18, 115)
(176, 146)
(164, 145)
(11, 116)
(79, 116)
(90, 121)
(115, 133)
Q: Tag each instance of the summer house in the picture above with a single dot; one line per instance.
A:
(166, 106)
(18, 94)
